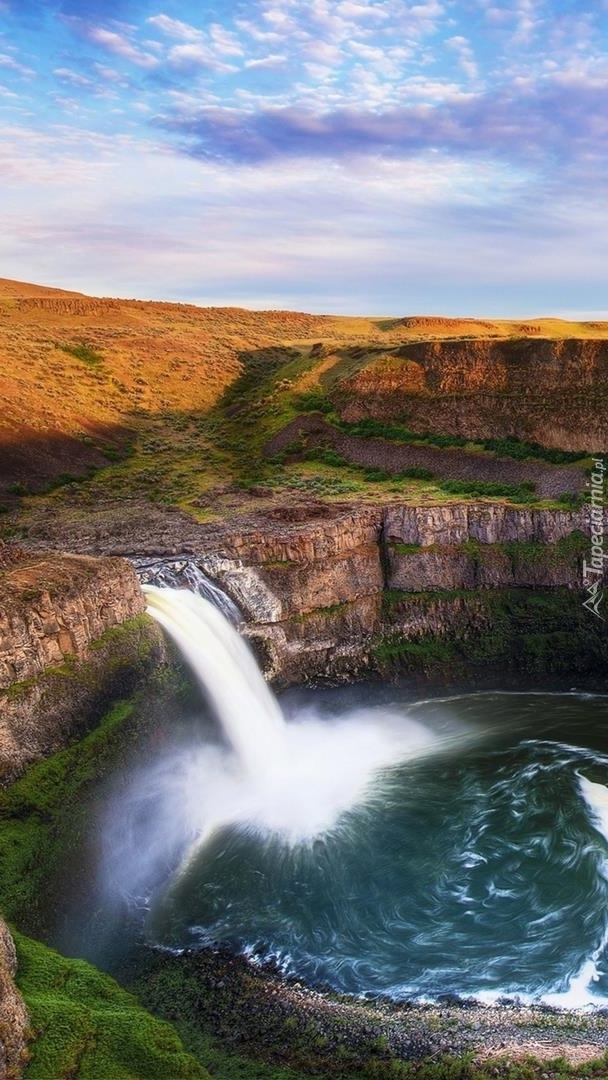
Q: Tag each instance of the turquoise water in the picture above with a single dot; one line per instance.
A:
(478, 867)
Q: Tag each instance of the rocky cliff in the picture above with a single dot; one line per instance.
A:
(548, 391)
(344, 590)
(54, 607)
(13, 1015)
(330, 591)
(71, 633)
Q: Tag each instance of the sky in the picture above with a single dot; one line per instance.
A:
(381, 157)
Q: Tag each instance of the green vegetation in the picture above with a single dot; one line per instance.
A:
(83, 352)
(521, 493)
(85, 1025)
(520, 450)
(520, 552)
(507, 447)
(326, 457)
(259, 368)
(39, 816)
(312, 401)
(369, 428)
(571, 500)
(425, 653)
(542, 633)
(317, 484)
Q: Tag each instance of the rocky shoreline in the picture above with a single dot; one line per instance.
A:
(254, 1012)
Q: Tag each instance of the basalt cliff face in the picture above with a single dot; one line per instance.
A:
(341, 591)
(554, 392)
(55, 607)
(331, 597)
(338, 591)
(13, 1015)
(69, 637)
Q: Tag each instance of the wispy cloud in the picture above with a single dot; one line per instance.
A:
(9, 63)
(113, 41)
(197, 55)
(526, 122)
(271, 149)
(68, 76)
(174, 28)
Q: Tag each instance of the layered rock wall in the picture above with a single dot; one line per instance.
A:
(13, 1015)
(554, 392)
(54, 607)
(72, 638)
(315, 591)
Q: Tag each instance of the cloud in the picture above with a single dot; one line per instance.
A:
(374, 236)
(522, 122)
(119, 45)
(113, 41)
(66, 75)
(198, 55)
(175, 28)
(9, 62)
(273, 60)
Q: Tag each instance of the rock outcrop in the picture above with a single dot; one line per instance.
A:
(328, 590)
(52, 608)
(324, 587)
(554, 392)
(72, 634)
(13, 1015)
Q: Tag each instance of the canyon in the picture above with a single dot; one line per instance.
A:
(442, 544)
(328, 593)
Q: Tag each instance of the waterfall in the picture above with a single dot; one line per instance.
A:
(186, 573)
(295, 779)
(226, 670)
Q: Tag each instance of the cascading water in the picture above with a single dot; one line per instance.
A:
(409, 849)
(227, 672)
(185, 573)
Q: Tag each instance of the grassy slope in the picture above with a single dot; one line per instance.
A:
(85, 1025)
(93, 370)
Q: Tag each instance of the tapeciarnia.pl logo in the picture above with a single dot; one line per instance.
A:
(594, 570)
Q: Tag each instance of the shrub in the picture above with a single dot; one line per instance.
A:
(415, 472)
(573, 500)
(520, 492)
(84, 353)
(312, 401)
(326, 456)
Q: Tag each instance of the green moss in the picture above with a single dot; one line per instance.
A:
(425, 653)
(36, 810)
(520, 552)
(537, 632)
(328, 612)
(85, 1025)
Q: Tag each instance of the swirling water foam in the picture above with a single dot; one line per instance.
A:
(400, 849)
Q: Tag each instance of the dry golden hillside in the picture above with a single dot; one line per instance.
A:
(81, 377)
